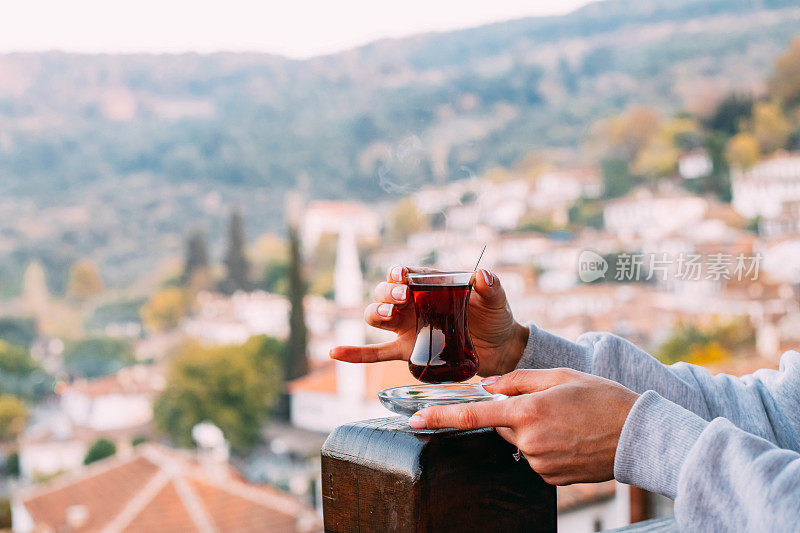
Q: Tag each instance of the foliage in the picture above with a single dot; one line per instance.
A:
(295, 358)
(743, 151)
(12, 464)
(119, 311)
(770, 127)
(101, 449)
(97, 356)
(276, 277)
(196, 265)
(13, 417)
(628, 133)
(5, 514)
(617, 179)
(537, 223)
(237, 266)
(20, 374)
(785, 83)
(404, 220)
(234, 386)
(731, 112)
(84, 280)
(136, 441)
(166, 308)
(586, 212)
(703, 345)
(19, 331)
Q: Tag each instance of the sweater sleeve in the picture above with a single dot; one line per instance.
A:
(766, 403)
(722, 478)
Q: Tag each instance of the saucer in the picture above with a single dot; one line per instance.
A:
(409, 399)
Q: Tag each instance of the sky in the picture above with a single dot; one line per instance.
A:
(294, 28)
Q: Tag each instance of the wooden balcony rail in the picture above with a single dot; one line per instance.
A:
(382, 475)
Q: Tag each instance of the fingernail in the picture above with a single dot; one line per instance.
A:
(417, 422)
(399, 292)
(489, 380)
(488, 277)
(397, 273)
(385, 310)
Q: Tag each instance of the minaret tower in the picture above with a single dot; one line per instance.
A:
(350, 328)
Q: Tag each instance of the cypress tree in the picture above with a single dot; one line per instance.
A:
(296, 361)
(196, 256)
(236, 264)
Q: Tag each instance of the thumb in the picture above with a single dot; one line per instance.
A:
(488, 287)
(526, 381)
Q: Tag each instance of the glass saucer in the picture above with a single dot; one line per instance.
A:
(409, 399)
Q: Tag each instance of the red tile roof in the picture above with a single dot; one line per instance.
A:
(571, 497)
(161, 489)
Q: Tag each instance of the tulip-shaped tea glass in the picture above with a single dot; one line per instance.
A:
(443, 353)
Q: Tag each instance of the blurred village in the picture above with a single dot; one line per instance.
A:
(205, 403)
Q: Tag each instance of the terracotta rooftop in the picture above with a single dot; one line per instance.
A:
(571, 497)
(161, 489)
(139, 379)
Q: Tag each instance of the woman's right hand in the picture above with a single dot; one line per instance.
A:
(498, 339)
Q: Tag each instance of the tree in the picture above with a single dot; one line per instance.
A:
(236, 264)
(770, 127)
(731, 112)
(101, 449)
(785, 83)
(19, 331)
(196, 271)
(405, 220)
(743, 151)
(97, 356)
(630, 132)
(84, 280)
(617, 179)
(296, 355)
(234, 386)
(166, 308)
(20, 374)
(13, 417)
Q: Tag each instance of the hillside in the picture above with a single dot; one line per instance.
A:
(142, 147)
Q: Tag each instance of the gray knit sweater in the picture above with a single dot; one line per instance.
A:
(724, 448)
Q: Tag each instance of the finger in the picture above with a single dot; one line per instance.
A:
(397, 273)
(525, 381)
(488, 287)
(508, 435)
(380, 315)
(463, 416)
(388, 351)
(393, 293)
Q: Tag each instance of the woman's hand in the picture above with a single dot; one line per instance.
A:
(565, 422)
(499, 340)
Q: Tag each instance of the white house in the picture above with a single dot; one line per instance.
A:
(330, 217)
(121, 400)
(695, 164)
(649, 215)
(762, 189)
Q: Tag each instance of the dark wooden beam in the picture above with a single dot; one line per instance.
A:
(382, 475)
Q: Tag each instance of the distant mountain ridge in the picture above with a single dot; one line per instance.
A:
(169, 141)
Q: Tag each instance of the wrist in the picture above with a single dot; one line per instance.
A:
(519, 340)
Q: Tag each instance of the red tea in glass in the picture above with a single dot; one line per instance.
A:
(443, 350)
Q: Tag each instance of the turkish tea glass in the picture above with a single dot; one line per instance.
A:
(443, 351)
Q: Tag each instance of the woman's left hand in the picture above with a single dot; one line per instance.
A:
(565, 422)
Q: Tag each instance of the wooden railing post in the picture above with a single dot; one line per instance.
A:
(382, 475)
